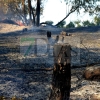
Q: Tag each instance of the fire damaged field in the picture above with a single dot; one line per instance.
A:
(31, 78)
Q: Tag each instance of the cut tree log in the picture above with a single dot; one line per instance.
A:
(61, 73)
(91, 72)
(95, 97)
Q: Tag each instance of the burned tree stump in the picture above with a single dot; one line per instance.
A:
(25, 30)
(48, 34)
(61, 73)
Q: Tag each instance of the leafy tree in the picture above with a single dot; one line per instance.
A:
(49, 22)
(70, 25)
(91, 6)
(21, 8)
(97, 20)
(78, 23)
(35, 11)
(13, 9)
(87, 23)
(92, 24)
(61, 25)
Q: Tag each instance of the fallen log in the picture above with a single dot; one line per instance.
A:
(92, 72)
(95, 97)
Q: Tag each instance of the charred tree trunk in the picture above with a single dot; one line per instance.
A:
(48, 34)
(38, 13)
(33, 17)
(29, 6)
(62, 73)
(24, 10)
(31, 12)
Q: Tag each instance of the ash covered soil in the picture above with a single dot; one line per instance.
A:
(23, 77)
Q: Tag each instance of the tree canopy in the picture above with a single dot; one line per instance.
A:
(70, 25)
(14, 9)
(49, 22)
(21, 8)
(78, 23)
(87, 23)
(97, 20)
(61, 24)
(90, 6)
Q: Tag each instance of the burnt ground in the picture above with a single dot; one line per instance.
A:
(16, 78)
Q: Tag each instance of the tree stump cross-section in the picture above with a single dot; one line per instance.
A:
(61, 73)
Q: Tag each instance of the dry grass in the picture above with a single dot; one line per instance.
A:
(4, 28)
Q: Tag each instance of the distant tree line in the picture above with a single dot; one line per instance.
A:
(78, 23)
(90, 6)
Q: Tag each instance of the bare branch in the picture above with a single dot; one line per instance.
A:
(71, 11)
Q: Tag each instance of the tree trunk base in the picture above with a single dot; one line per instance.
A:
(61, 73)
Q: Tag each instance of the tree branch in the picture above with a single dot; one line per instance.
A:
(18, 13)
(71, 11)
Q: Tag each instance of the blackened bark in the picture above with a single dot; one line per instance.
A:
(62, 73)
(38, 13)
(29, 6)
(24, 10)
(31, 12)
(33, 21)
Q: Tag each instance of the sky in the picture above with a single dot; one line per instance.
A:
(55, 10)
